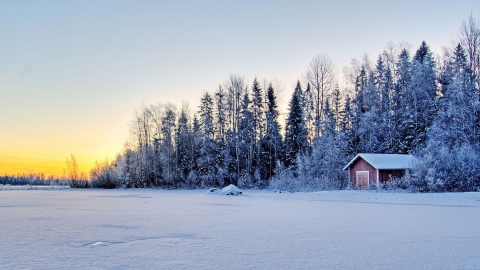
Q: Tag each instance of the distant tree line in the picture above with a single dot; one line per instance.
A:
(32, 179)
(402, 103)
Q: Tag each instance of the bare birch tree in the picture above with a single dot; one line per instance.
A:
(321, 76)
(469, 36)
(75, 178)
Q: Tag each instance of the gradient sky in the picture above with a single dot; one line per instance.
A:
(72, 72)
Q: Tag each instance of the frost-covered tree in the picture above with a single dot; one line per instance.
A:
(295, 130)
(418, 101)
(206, 161)
(456, 121)
(184, 141)
(385, 85)
(257, 109)
(357, 112)
(206, 116)
(469, 35)
(196, 152)
(321, 76)
(165, 149)
(236, 89)
(403, 77)
(322, 168)
(370, 118)
(246, 143)
(258, 121)
(271, 143)
(309, 111)
(450, 161)
(222, 155)
(348, 129)
(74, 177)
(220, 114)
(104, 175)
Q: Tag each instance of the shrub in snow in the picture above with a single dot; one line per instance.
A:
(443, 169)
(395, 183)
(191, 180)
(245, 180)
(313, 172)
(104, 176)
(322, 169)
(284, 179)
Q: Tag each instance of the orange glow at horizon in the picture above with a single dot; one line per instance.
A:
(46, 153)
(48, 165)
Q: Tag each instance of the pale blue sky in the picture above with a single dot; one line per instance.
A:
(72, 72)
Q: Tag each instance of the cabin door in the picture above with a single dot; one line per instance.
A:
(362, 178)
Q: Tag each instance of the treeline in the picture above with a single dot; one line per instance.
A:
(402, 103)
(36, 179)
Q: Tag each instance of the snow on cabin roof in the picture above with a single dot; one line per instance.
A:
(386, 161)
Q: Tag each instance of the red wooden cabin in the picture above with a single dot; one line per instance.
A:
(373, 169)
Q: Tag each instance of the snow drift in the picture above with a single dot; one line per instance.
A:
(228, 190)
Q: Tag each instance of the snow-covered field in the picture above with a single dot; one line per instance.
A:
(160, 229)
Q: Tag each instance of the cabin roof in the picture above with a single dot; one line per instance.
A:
(386, 161)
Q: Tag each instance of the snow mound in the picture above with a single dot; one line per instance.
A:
(228, 190)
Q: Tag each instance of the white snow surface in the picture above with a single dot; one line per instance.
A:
(188, 229)
(386, 161)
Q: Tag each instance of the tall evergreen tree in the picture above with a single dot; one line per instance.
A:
(368, 115)
(295, 130)
(403, 78)
(206, 161)
(206, 116)
(166, 148)
(246, 142)
(456, 122)
(419, 98)
(258, 121)
(354, 111)
(309, 111)
(183, 145)
(193, 179)
(271, 143)
(220, 114)
(221, 151)
(348, 129)
(385, 88)
(257, 109)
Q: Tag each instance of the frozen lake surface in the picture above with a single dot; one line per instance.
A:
(161, 229)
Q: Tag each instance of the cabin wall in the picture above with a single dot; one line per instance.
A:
(362, 165)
